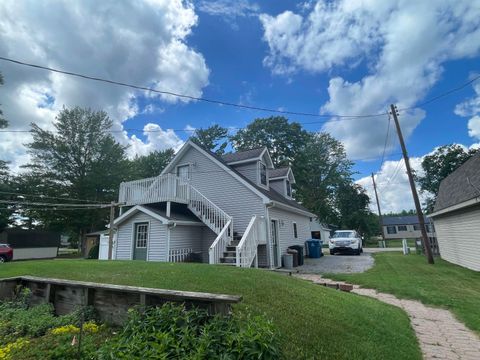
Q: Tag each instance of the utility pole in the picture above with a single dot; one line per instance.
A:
(110, 233)
(421, 220)
(379, 211)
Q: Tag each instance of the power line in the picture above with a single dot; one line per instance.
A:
(49, 197)
(14, 202)
(183, 96)
(50, 209)
(386, 141)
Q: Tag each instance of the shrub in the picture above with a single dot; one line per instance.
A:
(171, 331)
(93, 253)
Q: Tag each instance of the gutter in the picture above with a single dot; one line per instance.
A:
(462, 205)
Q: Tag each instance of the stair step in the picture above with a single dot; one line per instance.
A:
(232, 248)
(234, 242)
(230, 253)
(228, 260)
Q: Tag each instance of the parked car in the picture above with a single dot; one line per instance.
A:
(345, 241)
(6, 253)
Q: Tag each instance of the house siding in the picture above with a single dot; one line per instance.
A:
(157, 238)
(458, 237)
(249, 170)
(186, 237)
(409, 234)
(223, 189)
(278, 186)
(285, 232)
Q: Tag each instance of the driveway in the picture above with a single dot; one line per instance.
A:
(338, 264)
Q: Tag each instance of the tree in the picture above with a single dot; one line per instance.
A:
(6, 210)
(437, 166)
(213, 138)
(320, 169)
(152, 164)
(284, 139)
(80, 161)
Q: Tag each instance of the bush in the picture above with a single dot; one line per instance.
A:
(172, 332)
(93, 253)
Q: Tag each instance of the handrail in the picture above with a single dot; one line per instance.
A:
(247, 248)
(214, 217)
(217, 248)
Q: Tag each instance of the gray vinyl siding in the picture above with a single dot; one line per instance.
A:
(278, 186)
(249, 170)
(186, 237)
(223, 189)
(285, 232)
(458, 237)
(157, 238)
(208, 237)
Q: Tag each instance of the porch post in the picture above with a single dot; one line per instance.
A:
(169, 204)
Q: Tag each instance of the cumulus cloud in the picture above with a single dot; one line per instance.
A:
(157, 139)
(229, 9)
(471, 108)
(141, 42)
(403, 44)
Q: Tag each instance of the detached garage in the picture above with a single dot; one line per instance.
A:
(31, 244)
(457, 215)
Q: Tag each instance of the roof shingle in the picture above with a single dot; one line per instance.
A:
(242, 155)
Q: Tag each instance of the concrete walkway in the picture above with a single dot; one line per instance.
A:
(439, 333)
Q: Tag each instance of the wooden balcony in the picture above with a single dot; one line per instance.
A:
(153, 190)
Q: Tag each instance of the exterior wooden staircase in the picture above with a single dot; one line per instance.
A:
(230, 255)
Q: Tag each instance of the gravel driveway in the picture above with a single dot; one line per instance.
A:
(338, 264)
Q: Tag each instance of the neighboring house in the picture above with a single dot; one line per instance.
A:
(405, 227)
(457, 215)
(319, 230)
(31, 244)
(236, 209)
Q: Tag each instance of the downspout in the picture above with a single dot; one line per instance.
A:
(268, 206)
(170, 226)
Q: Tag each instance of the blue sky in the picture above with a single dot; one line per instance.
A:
(344, 57)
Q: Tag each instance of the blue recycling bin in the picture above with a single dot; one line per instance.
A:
(314, 248)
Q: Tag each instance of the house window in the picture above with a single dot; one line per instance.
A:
(429, 228)
(263, 174)
(416, 227)
(289, 188)
(183, 172)
(402, 227)
(295, 233)
(391, 230)
(141, 235)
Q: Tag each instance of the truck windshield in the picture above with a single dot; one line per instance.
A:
(343, 234)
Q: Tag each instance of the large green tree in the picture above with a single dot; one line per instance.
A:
(284, 139)
(213, 138)
(3, 122)
(80, 160)
(437, 166)
(151, 165)
(5, 181)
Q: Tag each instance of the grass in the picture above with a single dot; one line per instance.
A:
(314, 322)
(397, 243)
(443, 284)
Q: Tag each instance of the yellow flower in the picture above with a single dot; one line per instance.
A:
(7, 349)
(72, 329)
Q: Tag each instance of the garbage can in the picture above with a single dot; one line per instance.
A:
(299, 249)
(313, 247)
(287, 261)
(294, 254)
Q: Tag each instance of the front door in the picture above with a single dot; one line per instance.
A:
(140, 241)
(274, 230)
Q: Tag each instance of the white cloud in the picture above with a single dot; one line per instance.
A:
(471, 108)
(228, 8)
(157, 139)
(402, 43)
(393, 187)
(141, 42)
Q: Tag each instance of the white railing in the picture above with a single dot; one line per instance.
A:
(218, 247)
(247, 248)
(179, 255)
(156, 189)
(214, 217)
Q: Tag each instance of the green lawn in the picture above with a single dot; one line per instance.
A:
(315, 322)
(443, 284)
(397, 243)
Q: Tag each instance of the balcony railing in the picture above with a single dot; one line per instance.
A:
(156, 189)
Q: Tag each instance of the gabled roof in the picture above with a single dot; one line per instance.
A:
(281, 173)
(159, 214)
(461, 185)
(243, 155)
(266, 195)
(402, 220)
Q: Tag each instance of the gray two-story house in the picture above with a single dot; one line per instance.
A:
(233, 209)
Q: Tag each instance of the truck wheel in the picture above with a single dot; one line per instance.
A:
(2, 259)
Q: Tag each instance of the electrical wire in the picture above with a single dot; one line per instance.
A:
(49, 197)
(14, 202)
(183, 96)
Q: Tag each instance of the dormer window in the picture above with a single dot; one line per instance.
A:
(263, 174)
(289, 188)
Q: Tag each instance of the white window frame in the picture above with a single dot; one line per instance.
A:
(136, 232)
(259, 167)
(288, 186)
(401, 226)
(177, 168)
(392, 227)
(295, 230)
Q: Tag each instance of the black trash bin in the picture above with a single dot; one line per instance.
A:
(299, 249)
(295, 256)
